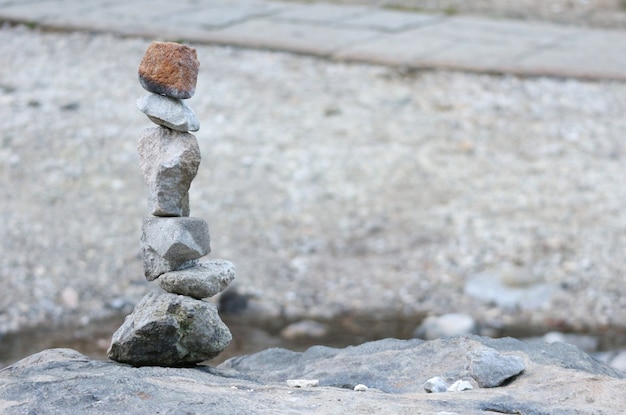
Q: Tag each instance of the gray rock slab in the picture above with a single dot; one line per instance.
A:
(170, 330)
(200, 281)
(169, 161)
(170, 112)
(171, 244)
(64, 381)
(414, 362)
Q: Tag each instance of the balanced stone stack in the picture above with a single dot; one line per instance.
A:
(175, 328)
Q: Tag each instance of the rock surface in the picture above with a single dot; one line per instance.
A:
(170, 330)
(394, 371)
(169, 112)
(200, 281)
(170, 69)
(169, 161)
(171, 244)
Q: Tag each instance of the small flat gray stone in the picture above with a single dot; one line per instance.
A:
(171, 244)
(169, 161)
(170, 330)
(200, 281)
(490, 369)
(170, 112)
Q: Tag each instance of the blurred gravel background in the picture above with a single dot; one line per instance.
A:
(336, 189)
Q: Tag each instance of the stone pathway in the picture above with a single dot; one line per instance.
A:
(352, 33)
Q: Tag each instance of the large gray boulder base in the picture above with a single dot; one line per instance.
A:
(558, 380)
(203, 280)
(170, 244)
(169, 161)
(170, 330)
(169, 112)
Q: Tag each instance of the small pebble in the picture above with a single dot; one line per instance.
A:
(360, 388)
(303, 383)
(460, 385)
(436, 385)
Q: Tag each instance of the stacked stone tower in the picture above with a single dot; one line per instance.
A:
(174, 328)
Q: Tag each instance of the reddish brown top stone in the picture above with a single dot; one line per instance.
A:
(170, 69)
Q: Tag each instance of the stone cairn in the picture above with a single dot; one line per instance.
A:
(175, 328)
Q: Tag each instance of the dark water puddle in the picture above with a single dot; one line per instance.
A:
(250, 336)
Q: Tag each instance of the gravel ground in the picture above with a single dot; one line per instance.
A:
(590, 13)
(335, 188)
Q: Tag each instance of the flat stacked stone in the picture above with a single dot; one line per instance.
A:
(175, 328)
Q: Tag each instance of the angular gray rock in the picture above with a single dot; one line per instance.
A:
(171, 244)
(169, 112)
(169, 161)
(559, 380)
(170, 330)
(200, 281)
(491, 369)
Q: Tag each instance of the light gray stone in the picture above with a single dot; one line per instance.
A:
(170, 112)
(436, 385)
(302, 383)
(491, 369)
(447, 325)
(169, 161)
(460, 385)
(200, 281)
(170, 330)
(171, 244)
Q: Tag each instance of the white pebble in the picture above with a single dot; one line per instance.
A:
(360, 388)
(303, 383)
(460, 385)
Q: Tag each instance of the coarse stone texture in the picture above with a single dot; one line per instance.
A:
(171, 244)
(490, 369)
(200, 281)
(170, 112)
(559, 380)
(169, 161)
(170, 330)
(170, 69)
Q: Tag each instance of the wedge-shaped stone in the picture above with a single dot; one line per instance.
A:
(170, 330)
(169, 161)
(169, 112)
(169, 68)
(170, 244)
(200, 281)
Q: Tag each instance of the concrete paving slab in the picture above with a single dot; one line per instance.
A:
(592, 54)
(398, 49)
(293, 37)
(356, 33)
(489, 31)
(323, 13)
(226, 15)
(30, 12)
(390, 21)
